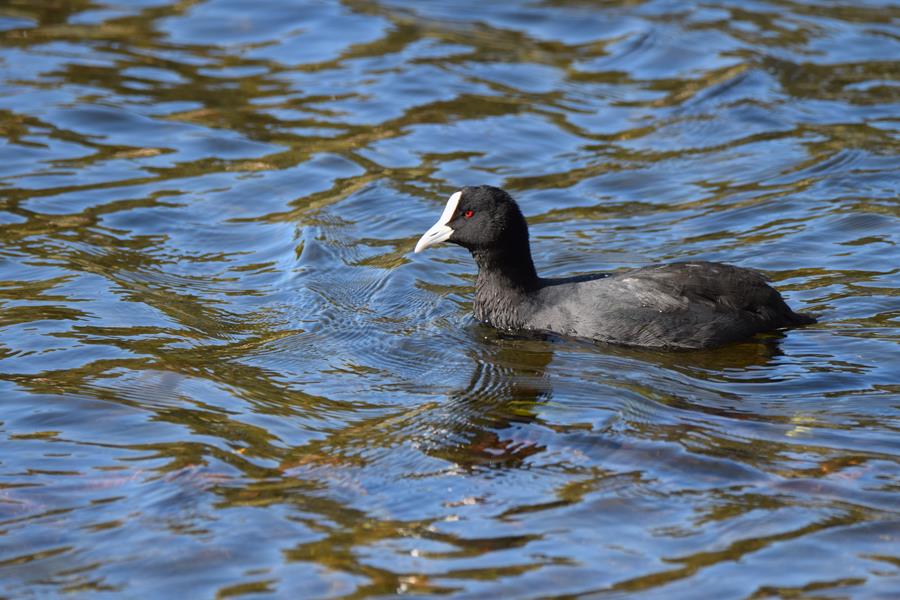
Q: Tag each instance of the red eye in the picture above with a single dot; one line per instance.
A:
(468, 214)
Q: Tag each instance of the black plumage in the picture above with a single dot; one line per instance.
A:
(678, 305)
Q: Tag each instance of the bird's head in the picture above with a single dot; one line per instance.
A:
(478, 218)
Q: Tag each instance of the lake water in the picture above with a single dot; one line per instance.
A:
(224, 373)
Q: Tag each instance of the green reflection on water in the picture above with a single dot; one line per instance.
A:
(224, 373)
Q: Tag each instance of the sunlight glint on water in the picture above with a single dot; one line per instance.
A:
(225, 373)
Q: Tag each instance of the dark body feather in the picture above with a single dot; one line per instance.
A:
(678, 305)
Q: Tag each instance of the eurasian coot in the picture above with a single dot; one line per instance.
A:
(679, 305)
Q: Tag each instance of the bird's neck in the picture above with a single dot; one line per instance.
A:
(510, 268)
(505, 277)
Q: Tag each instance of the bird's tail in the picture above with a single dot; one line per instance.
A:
(801, 318)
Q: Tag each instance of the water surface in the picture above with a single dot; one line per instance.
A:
(224, 373)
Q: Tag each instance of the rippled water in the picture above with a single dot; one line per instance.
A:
(224, 372)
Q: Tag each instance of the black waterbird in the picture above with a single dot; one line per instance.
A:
(678, 305)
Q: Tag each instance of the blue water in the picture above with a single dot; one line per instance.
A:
(224, 373)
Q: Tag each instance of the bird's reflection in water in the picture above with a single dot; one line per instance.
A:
(481, 424)
(484, 424)
(760, 351)
(487, 422)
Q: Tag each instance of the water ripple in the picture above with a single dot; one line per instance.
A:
(224, 372)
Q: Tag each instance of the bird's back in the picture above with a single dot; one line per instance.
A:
(679, 305)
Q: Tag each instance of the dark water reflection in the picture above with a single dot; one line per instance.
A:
(223, 372)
